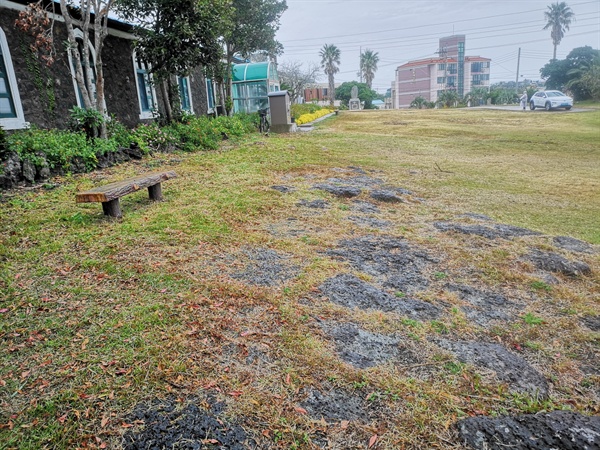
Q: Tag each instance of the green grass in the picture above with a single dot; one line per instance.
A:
(100, 315)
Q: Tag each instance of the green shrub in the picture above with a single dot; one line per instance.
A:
(60, 147)
(86, 120)
(150, 138)
(3, 143)
(117, 131)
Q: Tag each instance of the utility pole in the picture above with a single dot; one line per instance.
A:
(518, 64)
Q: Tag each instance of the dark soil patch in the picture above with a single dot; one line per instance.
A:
(338, 404)
(553, 262)
(397, 264)
(572, 244)
(489, 231)
(486, 306)
(370, 222)
(283, 189)
(592, 322)
(563, 430)
(315, 204)
(197, 425)
(266, 268)
(386, 196)
(365, 207)
(364, 349)
(350, 291)
(508, 366)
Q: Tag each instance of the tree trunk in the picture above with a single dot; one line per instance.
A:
(166, 100)
(331, 89)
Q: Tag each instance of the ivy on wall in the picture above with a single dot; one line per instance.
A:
(42, 79)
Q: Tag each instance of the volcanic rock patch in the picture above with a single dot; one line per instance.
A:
(338, 404)
(489, 231)
(365, 207)
(384, 195)
(393, 261)
(553, 262)
(352, 292)
(572, 244)
(283, 189)
(194, 426)
(485, 307)
(370, 222)
(266, 268)
(364, 349)
(563, 430)
(315, 204)
(509, 367)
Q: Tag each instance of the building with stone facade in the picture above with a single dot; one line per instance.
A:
(450, 70)
(33, 93)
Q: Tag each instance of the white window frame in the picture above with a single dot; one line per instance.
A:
(154, 108)
(189, 88)
(79, 34)
(12, 123)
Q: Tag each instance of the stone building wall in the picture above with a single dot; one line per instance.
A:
(47, 93)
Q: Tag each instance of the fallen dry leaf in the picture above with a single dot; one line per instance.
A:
(372, 440)
(300, 410)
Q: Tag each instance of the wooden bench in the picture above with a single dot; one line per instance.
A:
(109, 195)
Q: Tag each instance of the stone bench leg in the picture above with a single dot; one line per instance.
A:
(155, 192)
(112, 208)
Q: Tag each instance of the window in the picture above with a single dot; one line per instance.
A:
(452, 68)
(441, 66)
(89, 69)
(145, 88)
(441, 80)
(185, 94)
(451, 81)
(11, 112)
(476, 67)
(325, 92)
(210, 95)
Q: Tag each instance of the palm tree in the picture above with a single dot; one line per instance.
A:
(558, 17)
(330, 61)
(368, 65)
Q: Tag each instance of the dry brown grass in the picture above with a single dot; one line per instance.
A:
(102, 315)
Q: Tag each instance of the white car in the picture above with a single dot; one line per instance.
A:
(550, 100)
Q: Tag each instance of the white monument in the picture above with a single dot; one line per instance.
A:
(354, 103)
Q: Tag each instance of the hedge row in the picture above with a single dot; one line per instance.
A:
(47, 152)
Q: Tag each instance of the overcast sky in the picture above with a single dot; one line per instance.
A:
(404, 30)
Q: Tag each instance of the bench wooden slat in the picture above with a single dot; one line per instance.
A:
(120, 188)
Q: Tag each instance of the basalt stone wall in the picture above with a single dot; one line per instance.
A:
(120, 81)
(46, 93)
(199, 96)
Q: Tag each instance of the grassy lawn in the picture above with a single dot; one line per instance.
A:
(98, 315)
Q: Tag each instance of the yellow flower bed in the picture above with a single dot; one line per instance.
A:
(306, 118)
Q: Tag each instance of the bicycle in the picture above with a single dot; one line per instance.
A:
(264, 125)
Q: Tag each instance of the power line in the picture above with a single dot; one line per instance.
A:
(431, 25)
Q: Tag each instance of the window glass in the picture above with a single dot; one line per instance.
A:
(7, 106)
(146, 93)
(210, 95)
(184, 94)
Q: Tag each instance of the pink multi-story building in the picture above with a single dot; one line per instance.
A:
(451, 69)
